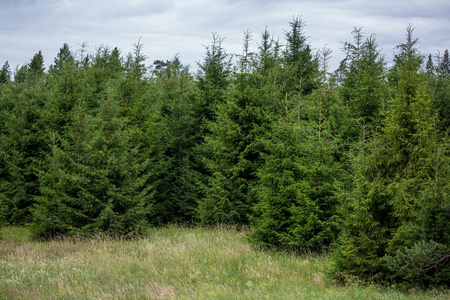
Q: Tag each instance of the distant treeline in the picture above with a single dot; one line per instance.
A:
(354, 161)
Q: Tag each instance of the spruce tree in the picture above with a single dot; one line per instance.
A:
(212, 79)
(180, 178)
(363, 84)
(93, 179)
(442, 96)
(63, 57)
(296, 208)
(36, 66)
(233, 150)
(387, 212)
(299, 59)
(5, 73)
(22, 139)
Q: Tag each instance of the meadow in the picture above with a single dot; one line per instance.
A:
(171, 263)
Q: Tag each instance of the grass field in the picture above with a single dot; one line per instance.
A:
(170, 263)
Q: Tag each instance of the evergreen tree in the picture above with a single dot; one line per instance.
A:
(442, 94)
(6, 104)
(21, 74)
(268, 56)
(21, 108)
(233, 150)
(444, 65)
(387, 212)
(36, 66)
(66, 85)
(63, 57)
(5, 73)
(213, 79)
(299, 58)
(180, 177)
(296, 205)
(93, 179)
(363, 82)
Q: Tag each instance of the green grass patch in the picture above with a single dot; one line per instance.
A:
(170, 263)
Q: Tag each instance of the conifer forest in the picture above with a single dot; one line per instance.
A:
(353, 161)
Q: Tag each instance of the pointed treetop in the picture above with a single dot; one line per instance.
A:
(5, 73)
(36, 65)
(444, 65)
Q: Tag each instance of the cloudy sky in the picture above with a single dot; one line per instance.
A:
(183, 27)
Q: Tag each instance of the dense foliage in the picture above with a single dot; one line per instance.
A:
(356, 161)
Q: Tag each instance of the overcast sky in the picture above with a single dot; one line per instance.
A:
(171, 27)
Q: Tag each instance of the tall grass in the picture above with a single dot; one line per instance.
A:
(169, 263)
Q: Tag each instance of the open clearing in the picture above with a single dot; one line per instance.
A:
(170, 263)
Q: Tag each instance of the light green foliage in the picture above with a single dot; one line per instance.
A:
(296, 207)
(393, 204)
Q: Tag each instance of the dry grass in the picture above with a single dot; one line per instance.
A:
(169, 263)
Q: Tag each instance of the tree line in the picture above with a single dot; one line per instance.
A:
(355, 161)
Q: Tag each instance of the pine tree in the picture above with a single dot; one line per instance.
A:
(282, 191)
(444, 65)
(20, 75)
(268, 55)
(6, 104)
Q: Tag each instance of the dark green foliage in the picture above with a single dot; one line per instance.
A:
(268, 56)
(363, 80)
(424, 263)
(62, 58)
(444, 64)
(5, 73)
(233, 148)
(20, 112)
(36, 66)
(180, 179)
(299, 59)
(294, 210)
(212, 80)
(442, 93)
(233, 155)
(21, 74)
(93, 180)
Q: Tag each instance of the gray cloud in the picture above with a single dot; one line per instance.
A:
(171, 27)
